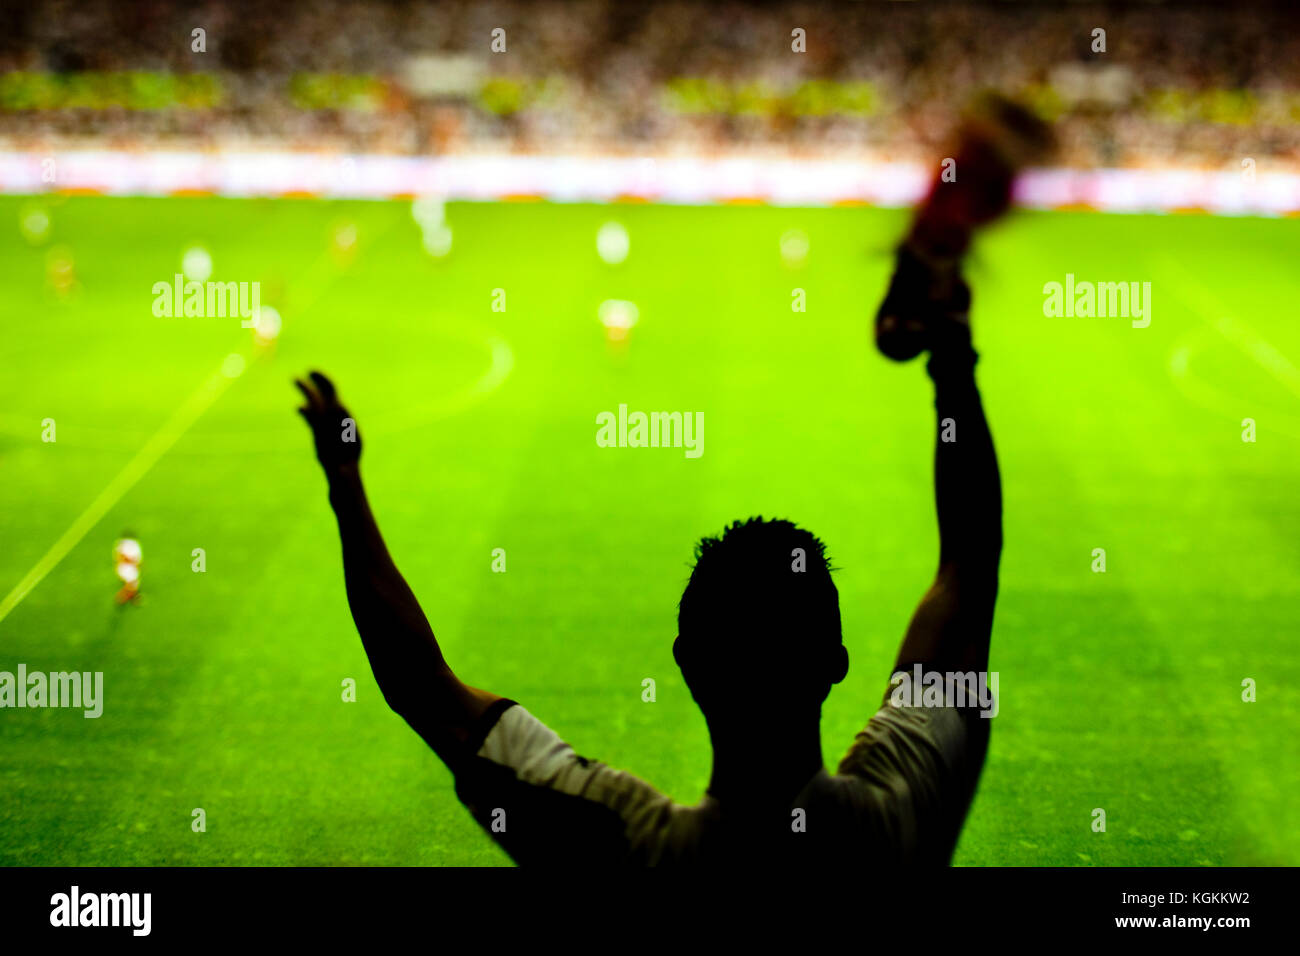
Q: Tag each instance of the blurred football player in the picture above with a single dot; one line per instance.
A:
(126, 563)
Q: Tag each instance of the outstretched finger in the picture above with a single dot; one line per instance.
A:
(314, 402)
(327, 391)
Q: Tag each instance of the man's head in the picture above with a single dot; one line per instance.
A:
(759, 621)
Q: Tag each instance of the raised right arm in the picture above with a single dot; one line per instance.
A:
(951, 627)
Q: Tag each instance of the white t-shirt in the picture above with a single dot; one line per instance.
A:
(900, 797)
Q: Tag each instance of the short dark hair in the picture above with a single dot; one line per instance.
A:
(766, 583)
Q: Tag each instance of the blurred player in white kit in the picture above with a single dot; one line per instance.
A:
(126, 562)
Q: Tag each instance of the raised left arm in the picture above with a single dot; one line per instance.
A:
(404, 655)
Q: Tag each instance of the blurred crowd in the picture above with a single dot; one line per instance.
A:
(1155, 84)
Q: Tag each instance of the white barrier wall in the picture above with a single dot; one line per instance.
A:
(610, 179)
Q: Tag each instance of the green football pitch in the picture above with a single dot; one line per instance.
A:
(223, 690)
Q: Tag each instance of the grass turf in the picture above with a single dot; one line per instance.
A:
(223, 691)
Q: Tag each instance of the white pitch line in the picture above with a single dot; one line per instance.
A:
(1235, 330)
(153, 449)
(134, 470)
(1261, 350)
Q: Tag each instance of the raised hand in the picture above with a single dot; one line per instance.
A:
(338, 442)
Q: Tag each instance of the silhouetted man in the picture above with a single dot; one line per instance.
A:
(758, 643)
